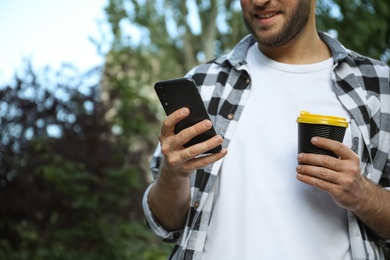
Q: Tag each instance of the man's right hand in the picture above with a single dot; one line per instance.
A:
(169, 198)
(180, 160)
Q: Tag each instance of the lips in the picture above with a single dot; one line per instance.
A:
(265, 15)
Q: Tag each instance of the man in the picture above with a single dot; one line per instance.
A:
(257, 202)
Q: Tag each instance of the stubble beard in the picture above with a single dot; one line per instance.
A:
(290, 29)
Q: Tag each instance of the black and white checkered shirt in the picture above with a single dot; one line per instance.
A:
(362, 86)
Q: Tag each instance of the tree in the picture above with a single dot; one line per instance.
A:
(74, 154)
(363, 26)
(163, 39)
(69, 188)
(175, 35)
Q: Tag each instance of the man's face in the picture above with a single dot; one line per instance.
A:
(274, 23)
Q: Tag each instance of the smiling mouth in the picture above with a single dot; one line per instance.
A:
(266, 15)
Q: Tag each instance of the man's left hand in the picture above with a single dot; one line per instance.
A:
(340, 177)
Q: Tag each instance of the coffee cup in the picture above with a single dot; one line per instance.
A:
(311, 125)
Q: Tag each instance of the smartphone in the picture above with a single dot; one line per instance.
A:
(183, 92)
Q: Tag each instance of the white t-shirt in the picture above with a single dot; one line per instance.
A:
(261, 210)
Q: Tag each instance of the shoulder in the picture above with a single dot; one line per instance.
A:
(205, 74)
(347, 60)
(217, 70)
(371, 74)
(368, 66)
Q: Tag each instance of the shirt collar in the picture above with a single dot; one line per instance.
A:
(237, 56)
(339, 52)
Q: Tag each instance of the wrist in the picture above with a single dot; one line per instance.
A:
(366, 200)
(373, 208)
(172, 178)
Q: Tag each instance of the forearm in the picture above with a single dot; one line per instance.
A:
(341, 178)
(374, 212)
(169, 200)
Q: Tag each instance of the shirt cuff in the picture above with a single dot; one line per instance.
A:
(168, 236)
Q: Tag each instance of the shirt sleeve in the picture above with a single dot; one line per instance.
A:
(168, 236)
(165, 235)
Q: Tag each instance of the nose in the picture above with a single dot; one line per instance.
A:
(260, 2)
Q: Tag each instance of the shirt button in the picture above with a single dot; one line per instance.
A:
(196, 205)
(230, 116)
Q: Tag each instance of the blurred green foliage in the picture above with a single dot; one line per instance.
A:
(73, 195)
(361, 25)
(75, 148)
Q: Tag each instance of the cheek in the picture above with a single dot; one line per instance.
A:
(245, 4)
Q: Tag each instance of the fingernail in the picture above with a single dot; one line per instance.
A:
(184, 111)
(207, 123)
(314, 139)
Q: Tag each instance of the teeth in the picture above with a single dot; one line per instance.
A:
(264, 16)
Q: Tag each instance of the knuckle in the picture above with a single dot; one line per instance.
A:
(165, 148)
(202, 163)
(339, 148)
(161, 137)
(353, 169)
(199, 128)
(338, 164)
(191, 152)
(165, 124)
(323, 185)
(327, 161)
(356, 159)
(182, 138)
(210, 144)
(207, 161)
(323, 173)
(347, 184)
(173, 160)
(330, 162)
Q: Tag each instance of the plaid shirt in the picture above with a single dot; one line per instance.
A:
(362, 86)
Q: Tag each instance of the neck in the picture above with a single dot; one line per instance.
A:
(305, 48)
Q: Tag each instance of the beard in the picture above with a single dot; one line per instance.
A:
(292, 26)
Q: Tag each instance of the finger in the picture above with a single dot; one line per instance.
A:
(337, 147)
(320, 173)
(179, 155)
(188, 133)
(182, 163)
(189, 153)
(203, 161)
(203, 147)
(316, 182)
(170, 121)
(321, 160)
